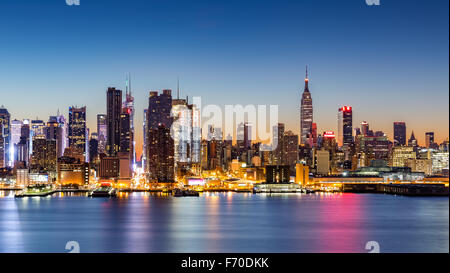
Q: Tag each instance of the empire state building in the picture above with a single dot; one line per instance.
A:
(306, 113)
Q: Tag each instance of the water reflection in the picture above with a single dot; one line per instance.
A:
(224, 222)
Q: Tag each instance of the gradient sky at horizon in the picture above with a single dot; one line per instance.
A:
(389, 62)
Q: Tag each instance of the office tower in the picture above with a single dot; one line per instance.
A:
(277, 144)
(2, 147)
(102, 129)
(62, 122)
(159, 110)
(73, 171)
(5, 138)
(329, 141)
(160, 145)
(345, 127)
(37, 129)
(312, 136)
(129, 104)
(277, 174)
(429, 139)
(16, 126)
(290, 150)
(365, 128)
(372, 148)
(44, 156)
(22, 150)
(93, 147)
(113, 112)
(440, 162)
(399, 133)
(77, 129)
(412, 141)
(306, 112)
(186, 132)
(400, 156)
(54, 131)
(161, 155)
(25, 132)
(322, 162)
(301, 174)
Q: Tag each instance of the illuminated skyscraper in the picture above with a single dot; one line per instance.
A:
(306, 113)
(37, 129)
(77, 129)
(144, 142)
(113, 109)
(399, 133)
(62, 123)
(412, 140)
(186, 132)
(345, 126)
(16, 126)
(54, 132)
(102, 129)
(2, 147)
(129, 104)
(278, 144)
(126, 134)
(365, 128)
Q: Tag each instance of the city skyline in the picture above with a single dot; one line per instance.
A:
(383, 82)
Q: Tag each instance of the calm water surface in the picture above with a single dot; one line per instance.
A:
(224, 222)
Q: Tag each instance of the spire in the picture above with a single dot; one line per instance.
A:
(126, 85)
(129, 83)
(412, 135)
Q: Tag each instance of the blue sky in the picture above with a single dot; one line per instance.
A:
(389, 62)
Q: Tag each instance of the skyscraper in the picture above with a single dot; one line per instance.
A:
(93, 147)
(306, 113)
(113, 112)
(345, 126)
(412, 140)
(290, 150)
(144, 142)
(129, 104)
(126, 135)
(2, 147)
(16, 126)
(5, 134)
(429, 139)
(399, 133)
(278, 144)
(102, 133)
(77, 129)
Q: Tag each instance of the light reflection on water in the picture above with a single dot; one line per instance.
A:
(224, 222)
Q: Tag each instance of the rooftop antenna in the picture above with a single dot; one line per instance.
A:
(178, 88)
(129, 82)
